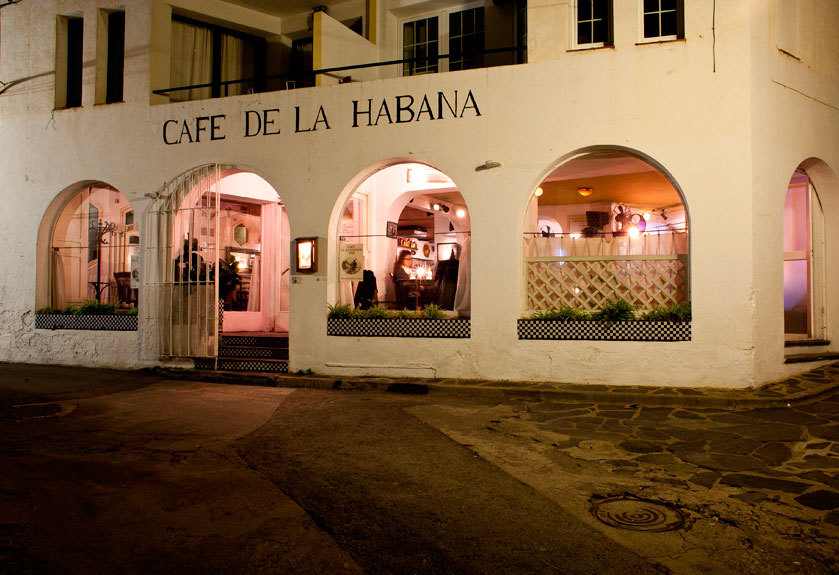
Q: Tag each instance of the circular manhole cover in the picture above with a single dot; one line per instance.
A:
(20, 412)
(637, 514)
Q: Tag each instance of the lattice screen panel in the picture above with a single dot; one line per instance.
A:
(588, 283)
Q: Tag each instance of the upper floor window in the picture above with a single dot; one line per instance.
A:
(593, 23)
(662, 19)
(69, 63)
(459, 34)
(215, 57)
(116, 57)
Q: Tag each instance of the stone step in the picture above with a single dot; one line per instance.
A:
(807, 357)
(253, 352)
(806, 342)
(241, 364)
(253, 341)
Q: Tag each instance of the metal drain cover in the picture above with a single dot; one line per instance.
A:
(20, 412)
(637, 514)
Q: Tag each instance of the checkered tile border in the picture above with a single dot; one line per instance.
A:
(225, 364)
(396, 327)
(600, 331)
(87, 322)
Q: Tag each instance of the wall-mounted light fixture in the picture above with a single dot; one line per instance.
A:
(307, 255)
(488, 165)
(538, 192)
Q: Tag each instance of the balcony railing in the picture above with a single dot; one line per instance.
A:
(292, 80)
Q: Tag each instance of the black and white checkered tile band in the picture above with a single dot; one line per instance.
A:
(87, 322)
(600, 331)
(396, 327)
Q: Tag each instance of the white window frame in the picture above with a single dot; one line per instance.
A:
(442, 31)
(670, 38)
(575, 44)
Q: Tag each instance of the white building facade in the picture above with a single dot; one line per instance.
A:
(436, 128)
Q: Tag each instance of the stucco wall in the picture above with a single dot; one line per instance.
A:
(662, 101)
(795, 94)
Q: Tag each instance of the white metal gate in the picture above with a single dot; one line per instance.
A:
(181, 264)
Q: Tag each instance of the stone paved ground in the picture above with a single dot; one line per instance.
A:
(759, 487)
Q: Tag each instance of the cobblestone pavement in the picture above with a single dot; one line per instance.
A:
(759, 488)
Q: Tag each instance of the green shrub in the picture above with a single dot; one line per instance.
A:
(615, 310)
(405, 314)
(675, 312)
(96, 308)
(561, 314)
(70, 309)
(132, 311)
(340, 311)
(374, 312)
(432, 311)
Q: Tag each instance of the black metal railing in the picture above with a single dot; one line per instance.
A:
(307, 79)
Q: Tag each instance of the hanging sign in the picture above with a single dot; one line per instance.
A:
(351, 258)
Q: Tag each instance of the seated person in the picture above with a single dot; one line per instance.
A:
(404, 266)
(402, 269)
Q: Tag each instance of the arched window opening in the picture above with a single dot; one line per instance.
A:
(803, 260)
(220, 240)
(602, 227)
(404, 242)
(95, 250)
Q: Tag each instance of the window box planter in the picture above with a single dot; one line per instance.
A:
(399, 327)
(594, 330)
(115, 322)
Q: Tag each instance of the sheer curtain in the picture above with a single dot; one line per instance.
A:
(271, 261)
(232, 55)
(463, 295)
(192, 60)
(58, 297)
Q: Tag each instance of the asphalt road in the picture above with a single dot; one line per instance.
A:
(402, 498)
(138, 474)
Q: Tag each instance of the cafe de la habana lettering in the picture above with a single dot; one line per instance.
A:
(364, 113)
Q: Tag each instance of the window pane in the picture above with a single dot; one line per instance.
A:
(583, 33)
(668, 4)
(651, 26)
(668, 23)
(599, 9)
(454, 24)
(651, 6)
(422, 31)
(408, 35)
(584, 10)
(599, 34)
(796, 297)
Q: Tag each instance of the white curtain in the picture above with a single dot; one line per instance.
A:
(463, 295)
(647, 244)
(192, 61)
(58, 297)
(271, 288)
(232, 55)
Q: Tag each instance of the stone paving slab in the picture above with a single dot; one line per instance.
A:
(802, 388)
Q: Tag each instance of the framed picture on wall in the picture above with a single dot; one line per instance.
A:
(391, 230)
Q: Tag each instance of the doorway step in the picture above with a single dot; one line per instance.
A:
(266, 353)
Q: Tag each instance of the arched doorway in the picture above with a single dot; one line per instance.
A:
(218, 245)
(804, 252)
(604, 226)
(408, 227)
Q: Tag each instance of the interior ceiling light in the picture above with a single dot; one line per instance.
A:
(647, 216)
(585, 191)
(460, 212)
(436, 207)
(538, 192)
